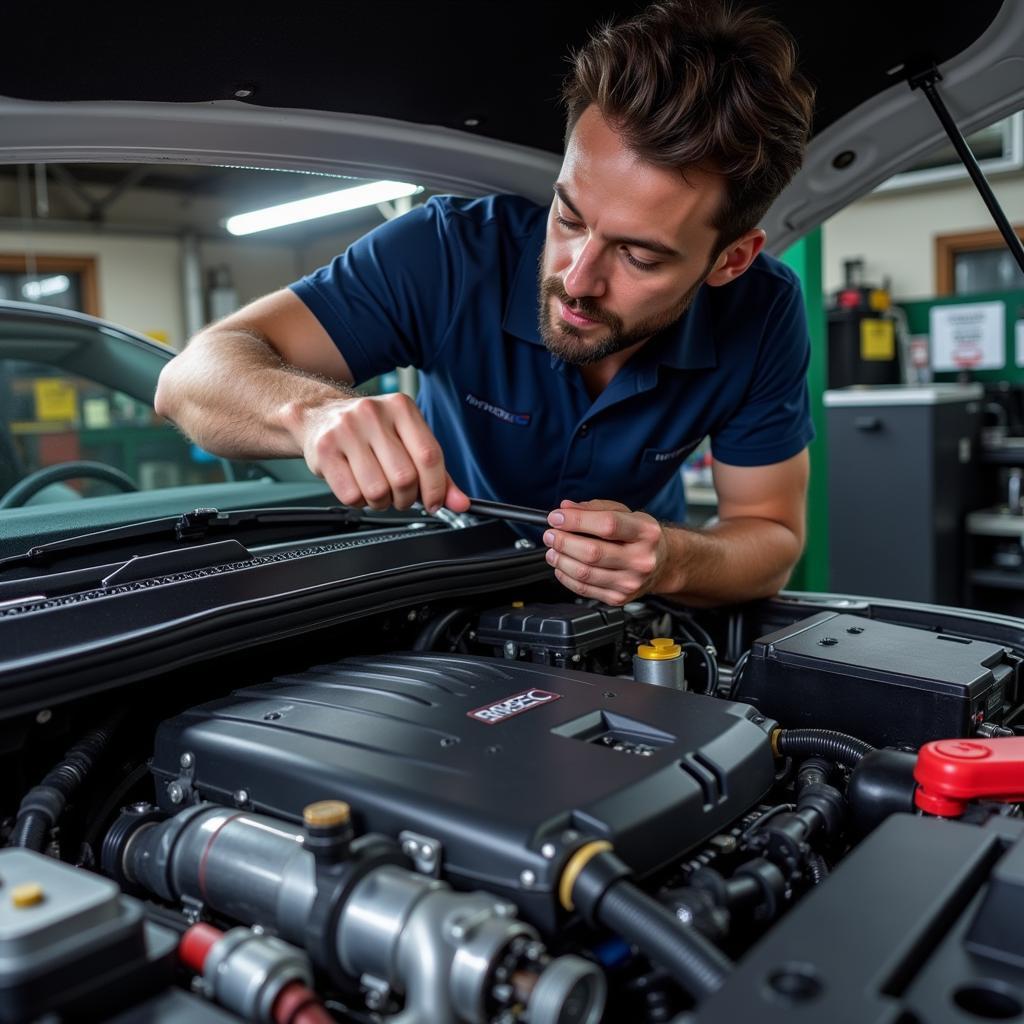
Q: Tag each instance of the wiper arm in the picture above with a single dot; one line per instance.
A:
(198, 525)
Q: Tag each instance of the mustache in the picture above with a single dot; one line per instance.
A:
(552, 286)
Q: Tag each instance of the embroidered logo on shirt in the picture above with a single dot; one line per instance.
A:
(659, 455)
(519, 419)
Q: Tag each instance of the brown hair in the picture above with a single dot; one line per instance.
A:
(700, 83)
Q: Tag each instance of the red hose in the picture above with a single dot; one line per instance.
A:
(196, 943)
(297, 1004)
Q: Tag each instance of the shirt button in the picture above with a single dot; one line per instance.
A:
(584, 430)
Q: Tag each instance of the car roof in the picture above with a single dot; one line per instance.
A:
(463, 94)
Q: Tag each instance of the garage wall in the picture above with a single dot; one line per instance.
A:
(895, 231)
(138, 278)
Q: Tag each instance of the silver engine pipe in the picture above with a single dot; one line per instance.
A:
(453, 957)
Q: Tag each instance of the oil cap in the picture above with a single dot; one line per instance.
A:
(661, 648)
(660, 663)
(951, 773)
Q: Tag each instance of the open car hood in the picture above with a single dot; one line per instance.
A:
(460, 96)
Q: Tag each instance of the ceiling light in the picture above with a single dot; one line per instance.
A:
(43, 289)
(320, 206)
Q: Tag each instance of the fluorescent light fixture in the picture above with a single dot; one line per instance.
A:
(43, 289)
(320, 206)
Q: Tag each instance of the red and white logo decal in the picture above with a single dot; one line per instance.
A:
(492, 714)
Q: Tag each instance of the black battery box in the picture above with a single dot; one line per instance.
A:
(886, 684)
(564, 635)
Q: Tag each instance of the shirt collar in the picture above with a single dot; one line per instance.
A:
(689, 345)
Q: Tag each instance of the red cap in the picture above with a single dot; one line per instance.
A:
(950, 773)
(196, 943)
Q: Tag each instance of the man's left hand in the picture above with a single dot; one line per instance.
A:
(604, 550)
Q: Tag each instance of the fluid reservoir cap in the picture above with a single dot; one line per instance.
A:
(661, 648)
(962, 750)
(29, 894)
(327, 814)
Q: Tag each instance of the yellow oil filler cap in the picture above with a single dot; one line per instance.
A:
(327, 814)
(661, 648)
(29, 894)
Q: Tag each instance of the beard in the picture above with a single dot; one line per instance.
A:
(568, 343)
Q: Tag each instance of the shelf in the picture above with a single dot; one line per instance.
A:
(1004, 579)
(989, 523)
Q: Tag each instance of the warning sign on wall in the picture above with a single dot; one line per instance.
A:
(970, 337)
(56, 399)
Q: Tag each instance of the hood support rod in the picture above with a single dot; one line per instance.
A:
(926, 81)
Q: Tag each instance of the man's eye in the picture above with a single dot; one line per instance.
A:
(570, 224)
(639, 264)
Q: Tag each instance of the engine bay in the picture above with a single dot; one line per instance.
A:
(502, 806)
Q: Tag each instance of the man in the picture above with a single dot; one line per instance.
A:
(576, 352)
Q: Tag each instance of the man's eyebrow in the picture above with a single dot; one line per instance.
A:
(649, 244)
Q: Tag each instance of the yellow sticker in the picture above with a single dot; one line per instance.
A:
(877, 340)
(56, 399)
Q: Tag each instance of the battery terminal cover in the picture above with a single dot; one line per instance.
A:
(951, 773)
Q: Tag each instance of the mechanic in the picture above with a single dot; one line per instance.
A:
(570, 357)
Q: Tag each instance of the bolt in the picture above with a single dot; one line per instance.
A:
(44, 716)
(577, 658)
(139, 807)
(524, 545)
(684, 914)
(510, 649)
(855, 630)
(828, 641)
(494, 750)
(447, 741)
(186, 760)
(570, 836)
(758, 719)
(528, 879)
(243, 93)
(548, 851)
(241, 797)
(175, 793)
(410, 847)
(271, 716)
(610, 693)
(471, 122)
(427, 852)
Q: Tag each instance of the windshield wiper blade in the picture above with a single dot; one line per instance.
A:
(198, 525)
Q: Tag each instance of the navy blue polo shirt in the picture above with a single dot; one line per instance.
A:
(451, 288)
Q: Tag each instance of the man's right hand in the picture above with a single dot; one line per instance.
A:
(374, 450)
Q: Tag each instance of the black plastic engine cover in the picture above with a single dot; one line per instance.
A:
(493, 759)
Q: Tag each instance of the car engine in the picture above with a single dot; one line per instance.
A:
(513, 808)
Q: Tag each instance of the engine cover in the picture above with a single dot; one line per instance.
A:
(508, 765)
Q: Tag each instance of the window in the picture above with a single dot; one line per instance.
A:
(999, 147)
(65, 281)
(975, 261)
(49, 417)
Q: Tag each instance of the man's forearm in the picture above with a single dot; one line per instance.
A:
(232, 394)
(734, 560)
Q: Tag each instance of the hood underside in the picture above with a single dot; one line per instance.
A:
(464, 95)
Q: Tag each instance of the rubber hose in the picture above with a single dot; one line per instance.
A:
(33, 824)
(699, 966)
(835, 746)
(818, 868)
(432, 631)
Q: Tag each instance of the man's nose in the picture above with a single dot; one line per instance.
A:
(585, 276)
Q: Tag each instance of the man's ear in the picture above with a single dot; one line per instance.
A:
(736, 258)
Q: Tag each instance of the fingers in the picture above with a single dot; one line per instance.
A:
(605, 596)
(455, 498)
(380, 452)
(616, 524)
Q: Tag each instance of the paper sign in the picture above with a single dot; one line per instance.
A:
(877, 340)
(969, 337)
(56, 399)
(1020, 342)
